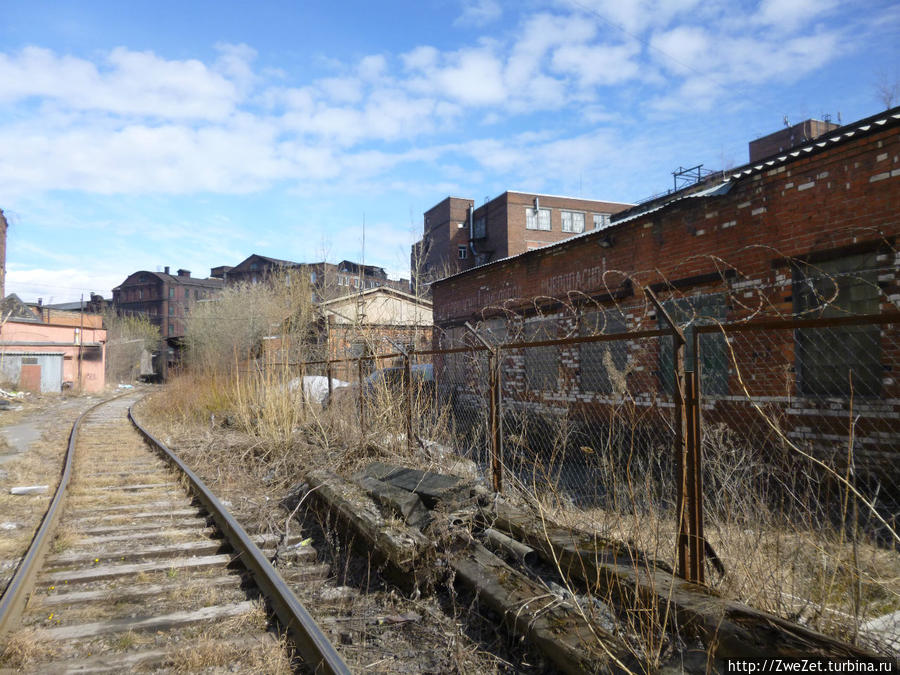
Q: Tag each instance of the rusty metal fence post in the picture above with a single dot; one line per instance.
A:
(328, 375)
(494, 431)
(688, 466)
(694, 477)
(494, 420)
(361, 399)
(407, 374)
(302, 383)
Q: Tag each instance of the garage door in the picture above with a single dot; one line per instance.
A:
(51, 369)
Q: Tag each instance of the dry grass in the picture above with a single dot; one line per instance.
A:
(252, 472)
(22, 648)
(207, 653)
(40, 465)
(800, 569)
(253, 438)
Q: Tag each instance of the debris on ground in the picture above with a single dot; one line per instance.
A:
(29, 490)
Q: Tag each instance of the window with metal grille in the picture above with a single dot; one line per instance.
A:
(838, 360)
(698, 310)
(541, 363)
(603, 364)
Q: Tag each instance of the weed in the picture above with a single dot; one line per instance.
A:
(22, 648)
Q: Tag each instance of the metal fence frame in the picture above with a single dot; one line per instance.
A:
(687, 396)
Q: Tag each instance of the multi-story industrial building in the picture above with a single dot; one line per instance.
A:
(328, 280)
(458, 236)
(163, 298)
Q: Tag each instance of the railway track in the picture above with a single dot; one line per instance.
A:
(137, 564)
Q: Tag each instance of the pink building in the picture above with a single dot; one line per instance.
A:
(48, 354)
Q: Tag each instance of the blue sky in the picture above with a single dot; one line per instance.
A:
(191, 134)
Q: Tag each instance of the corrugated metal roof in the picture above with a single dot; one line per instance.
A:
(862, 127)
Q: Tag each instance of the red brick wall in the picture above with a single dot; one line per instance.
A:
(521, 239)
(840, 197)
(443, 236)
(505, 228)
(840, 200)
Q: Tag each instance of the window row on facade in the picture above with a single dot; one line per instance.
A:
(354, 281)
(570, 221)
(138, 294)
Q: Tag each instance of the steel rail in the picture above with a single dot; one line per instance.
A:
(16, 595)
(312, 645)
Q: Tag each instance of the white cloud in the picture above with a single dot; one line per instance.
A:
(135, 122)
(539, 35)
(472, 76)
(599, 65)
(715, 66)
(372, 67)
(788, 15)
(421, 58)
(636, 16)
(126, 83)
(684, 49)
(341, 89)
(479, 12)
(138, 158)
(60, 285)
(235, 63)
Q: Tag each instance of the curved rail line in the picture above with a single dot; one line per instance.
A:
(16, 595)
(308, 639)
(310, 643)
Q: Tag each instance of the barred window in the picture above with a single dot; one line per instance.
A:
(541, 363)
(838, 360)
(602, 364)
(454, 370)
(698, 310)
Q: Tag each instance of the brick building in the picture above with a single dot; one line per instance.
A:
(816, 202)
(163, 298)
(373, 322)
(810, 232)
(788, 138)
(457, 236)
(327, 279)
(94, 304)
(254, 269)
(48, 351)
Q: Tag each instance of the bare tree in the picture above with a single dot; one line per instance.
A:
(887, 88)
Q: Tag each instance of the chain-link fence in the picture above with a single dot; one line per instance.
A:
(795, 426)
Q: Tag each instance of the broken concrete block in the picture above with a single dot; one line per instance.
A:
(431, 487)
(408, 505)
